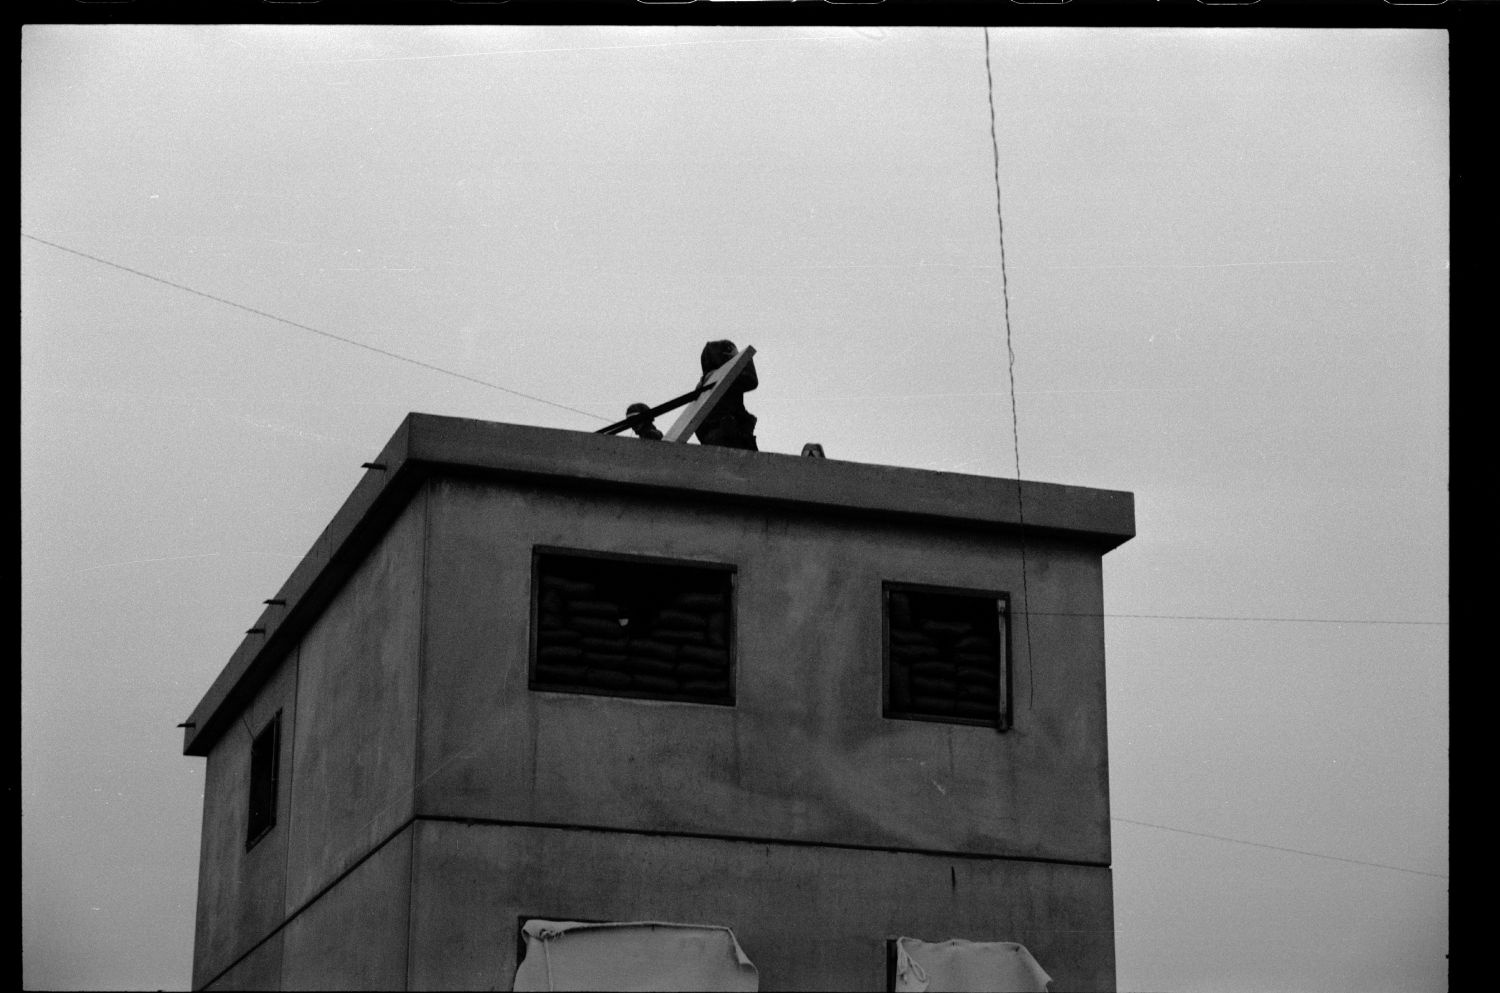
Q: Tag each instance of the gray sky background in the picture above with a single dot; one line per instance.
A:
(1228, 271)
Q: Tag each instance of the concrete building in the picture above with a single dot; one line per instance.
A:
(529, 673)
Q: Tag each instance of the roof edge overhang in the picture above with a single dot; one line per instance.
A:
(428, 444)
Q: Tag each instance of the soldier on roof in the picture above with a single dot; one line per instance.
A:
(730, 425)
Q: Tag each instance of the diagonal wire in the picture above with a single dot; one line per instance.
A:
(1277, 848)
(1010, 352)
(1242, 617)
(306, 327)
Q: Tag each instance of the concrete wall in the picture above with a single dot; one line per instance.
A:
(805, 753)
(241, 895)
(348, 695)
(260, 970)
(353, 762)
(809, 917)
(407, 697)
(354, 936)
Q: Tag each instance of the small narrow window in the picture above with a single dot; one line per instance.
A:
(635, 627)
(945, 655)
(265, 761)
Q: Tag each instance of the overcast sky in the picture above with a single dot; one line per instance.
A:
(1226, 254)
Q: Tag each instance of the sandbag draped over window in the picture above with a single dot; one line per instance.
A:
(566, 955)
(958, 966)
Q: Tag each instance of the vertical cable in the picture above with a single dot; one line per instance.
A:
(1010, 351)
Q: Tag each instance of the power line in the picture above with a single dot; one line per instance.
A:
(305, 327)
(1217, 617)
(527, 396)
(1015, 428)
(1278, 848)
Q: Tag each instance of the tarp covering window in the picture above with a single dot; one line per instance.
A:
(959, 966)
(566, 955)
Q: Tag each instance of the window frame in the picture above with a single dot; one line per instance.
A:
(1003, 720)
(538, 552)
(253, 833)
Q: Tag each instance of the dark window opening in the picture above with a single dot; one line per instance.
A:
(945, 655)
(632, 627)
(265, 761)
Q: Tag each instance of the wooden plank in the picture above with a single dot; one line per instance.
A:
(719, 383)
(651, 414)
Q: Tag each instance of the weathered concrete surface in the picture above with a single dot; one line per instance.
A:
(241, 895)
(407, 629)
(425, 443)
(810, 918)
(353, 937)
(1106, 517)
(805, 753)
(352, 764)
(260, 970)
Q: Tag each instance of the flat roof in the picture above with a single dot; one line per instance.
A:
(428, 444)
